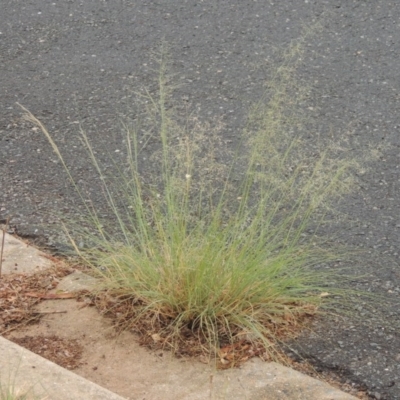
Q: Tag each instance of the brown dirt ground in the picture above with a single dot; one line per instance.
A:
(76, 336)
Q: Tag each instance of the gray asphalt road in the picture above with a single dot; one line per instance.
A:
(70, 61)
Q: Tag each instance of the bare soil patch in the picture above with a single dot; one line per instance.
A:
(74, 334)
(64, 352)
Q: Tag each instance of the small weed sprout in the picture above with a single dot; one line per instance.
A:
(217, 250)
(10, 393)
(10, 390)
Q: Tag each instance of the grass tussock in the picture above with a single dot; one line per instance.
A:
(218, 246)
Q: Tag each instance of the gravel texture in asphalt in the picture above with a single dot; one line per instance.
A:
(76, 62)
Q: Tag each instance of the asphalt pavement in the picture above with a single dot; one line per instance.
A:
(77, 63)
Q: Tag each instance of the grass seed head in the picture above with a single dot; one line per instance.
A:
(215, 243)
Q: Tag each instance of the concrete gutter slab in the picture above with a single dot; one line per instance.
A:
(21, 257)
(258, 380)
(77, 281)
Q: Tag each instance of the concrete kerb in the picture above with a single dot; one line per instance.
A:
(255, 380)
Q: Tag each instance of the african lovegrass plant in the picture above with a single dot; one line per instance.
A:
(222, 250)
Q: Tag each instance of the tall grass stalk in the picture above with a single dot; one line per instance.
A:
(222, 250)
